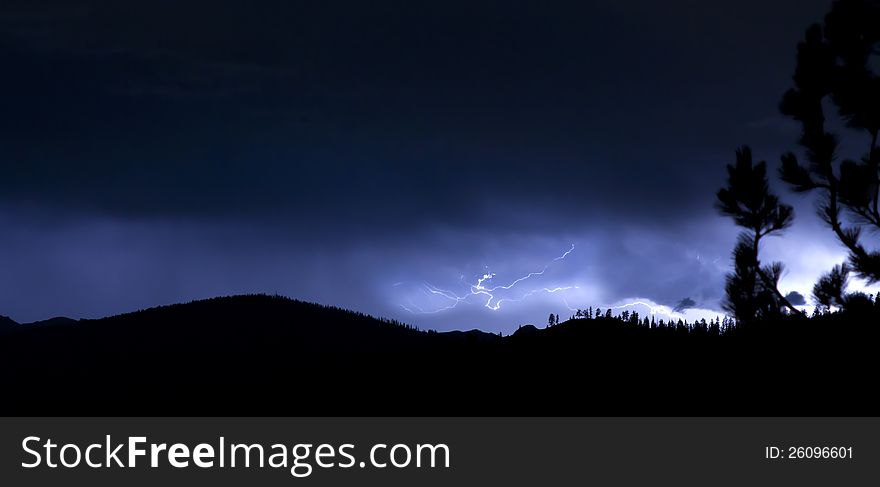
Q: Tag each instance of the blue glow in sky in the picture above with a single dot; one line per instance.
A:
(428, 162)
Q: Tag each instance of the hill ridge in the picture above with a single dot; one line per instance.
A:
(273, 355)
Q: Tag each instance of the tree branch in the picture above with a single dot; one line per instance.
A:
(772, 285)
(769, 283)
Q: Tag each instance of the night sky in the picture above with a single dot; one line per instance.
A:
(384, 156)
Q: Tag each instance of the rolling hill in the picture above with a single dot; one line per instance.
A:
(7, 324)
(269, 355)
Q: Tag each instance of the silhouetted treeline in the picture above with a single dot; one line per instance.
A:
(828, 293)
(265, 355)
(715, 326)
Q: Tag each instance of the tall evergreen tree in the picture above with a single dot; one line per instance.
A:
(831, 288)
(834, 63)
(752, 288)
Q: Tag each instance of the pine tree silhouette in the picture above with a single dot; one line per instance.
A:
(834, 63)
(752, 288)
(831, 288)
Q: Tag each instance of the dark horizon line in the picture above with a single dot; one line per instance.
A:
(61, 318)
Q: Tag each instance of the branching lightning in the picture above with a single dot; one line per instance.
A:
(489, 293)
(493, 297)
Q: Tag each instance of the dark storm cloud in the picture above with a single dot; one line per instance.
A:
(387, 141)
(274, 106)
(796, 298)
(683, 304)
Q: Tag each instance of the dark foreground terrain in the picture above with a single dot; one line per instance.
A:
(262, 355)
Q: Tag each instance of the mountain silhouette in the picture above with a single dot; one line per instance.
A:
(7, 324)
(269, 355)
(56, 321)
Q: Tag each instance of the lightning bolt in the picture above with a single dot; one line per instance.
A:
(481, 288)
